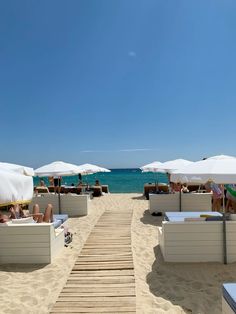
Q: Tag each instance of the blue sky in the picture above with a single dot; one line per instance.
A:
(117, 83)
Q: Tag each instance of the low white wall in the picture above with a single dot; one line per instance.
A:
(197, 241)
(30, 243)
(171, 202)
(163, 202)
(71, 204)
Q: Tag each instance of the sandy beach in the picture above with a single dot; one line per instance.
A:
(160, 287)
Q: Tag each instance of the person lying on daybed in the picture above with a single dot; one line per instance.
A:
(16, 212)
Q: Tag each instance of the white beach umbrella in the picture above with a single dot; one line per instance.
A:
(15, 188)
(17, 168)
(90, 169)
(58, 169)
(152, 167)
(172, 165)
(219, 169)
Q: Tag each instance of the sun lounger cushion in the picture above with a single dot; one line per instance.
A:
(56, 223)
(229, 293)
(59, 220)
(180, 216)
(61, 217)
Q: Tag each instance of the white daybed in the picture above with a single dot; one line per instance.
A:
(160, 203)
(197, 241)
(71, 204)
(30, 243)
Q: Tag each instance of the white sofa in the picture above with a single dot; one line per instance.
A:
(71, 204)
(171, 202)
(197, 241)
(30, 243)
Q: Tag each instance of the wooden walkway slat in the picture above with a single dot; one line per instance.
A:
(102, 279)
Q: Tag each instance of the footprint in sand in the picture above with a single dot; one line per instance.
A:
(29, 300)
(197, 285)
(43, 292)
(4, 277)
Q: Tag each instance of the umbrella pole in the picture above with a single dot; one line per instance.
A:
(180, 201)
(59, 196)
(224, 230)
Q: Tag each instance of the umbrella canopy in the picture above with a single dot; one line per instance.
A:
(17, 168)
(15, 188)
(152, 167)
(90, 169)
(219, 169)
(57, 168)
(171, 165)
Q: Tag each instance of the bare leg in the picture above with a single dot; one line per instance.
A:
(38, 217)
(48, 215)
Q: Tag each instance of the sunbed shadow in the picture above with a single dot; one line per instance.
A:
(21, 268)
(141, 197)
(180, 282)
(148, 219)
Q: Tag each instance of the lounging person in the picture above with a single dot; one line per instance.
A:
(217, 196)
(97, 183)
(231, 198)
(4, 218)
(185, 189)
(42, 183)
(40, 217)
(16, 212)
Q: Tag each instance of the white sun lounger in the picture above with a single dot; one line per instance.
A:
(30, 243)
(196, 241)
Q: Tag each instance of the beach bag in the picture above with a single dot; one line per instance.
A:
(68, 238)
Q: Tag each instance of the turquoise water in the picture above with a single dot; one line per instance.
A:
(119, 180)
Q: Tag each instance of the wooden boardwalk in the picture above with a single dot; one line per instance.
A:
(102, 279)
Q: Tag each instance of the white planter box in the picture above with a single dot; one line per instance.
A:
(30, 243)
(71, 204)
(171, 202)
(197, 241)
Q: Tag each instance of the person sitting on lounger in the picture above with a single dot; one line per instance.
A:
(4, 218)
(40, 217)
(16, 212)
(97, 183)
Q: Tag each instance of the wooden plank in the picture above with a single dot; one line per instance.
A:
(113, 303)
(100, 267)
(69, 298)
(103, 280)
(93, 310)
(127, 291)
(123, 272)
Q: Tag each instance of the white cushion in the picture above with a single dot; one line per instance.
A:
(23, 220)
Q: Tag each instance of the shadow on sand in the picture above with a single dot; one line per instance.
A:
(148, 219)
(164, 283)
(21, 268)
(182, 284)
(141, 197)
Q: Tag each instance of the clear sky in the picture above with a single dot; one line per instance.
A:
(118, 83)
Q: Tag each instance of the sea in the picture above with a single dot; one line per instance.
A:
(118, 180)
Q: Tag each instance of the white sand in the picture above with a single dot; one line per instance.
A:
(160, 287)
